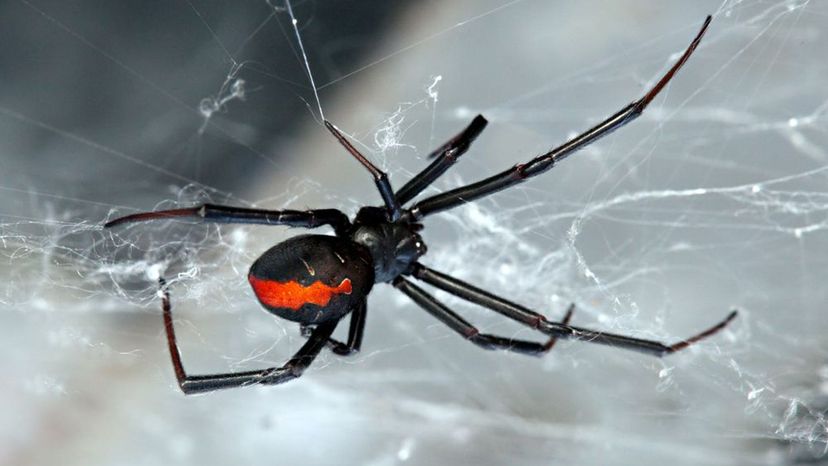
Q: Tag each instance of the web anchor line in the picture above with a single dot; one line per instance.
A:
(294, 23)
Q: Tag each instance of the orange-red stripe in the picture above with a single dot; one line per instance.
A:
(293, 295)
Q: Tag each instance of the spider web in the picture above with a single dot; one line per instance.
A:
(714, 199)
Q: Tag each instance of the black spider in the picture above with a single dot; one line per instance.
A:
(316, 280)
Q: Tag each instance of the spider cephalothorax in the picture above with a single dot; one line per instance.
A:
(394, 246)
(317, 280)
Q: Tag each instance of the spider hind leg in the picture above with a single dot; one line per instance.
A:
(192, 384)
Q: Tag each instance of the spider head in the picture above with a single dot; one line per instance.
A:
(394, 246)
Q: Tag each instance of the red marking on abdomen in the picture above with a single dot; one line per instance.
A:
(293, 295)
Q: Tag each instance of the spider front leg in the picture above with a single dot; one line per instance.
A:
(380, 177)
(467, 330)
(651, 347)
(542, 163)
(191, 384)
(554, 329)
(444, 157)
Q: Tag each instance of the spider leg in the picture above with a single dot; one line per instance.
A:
(213, 213)
(567, 317)
(445, 156)
(554, 329)
(355, 332)
(293, 369)
(380, 177)
(464, 328)
(650, 347)
(540, 164)
(475, 295)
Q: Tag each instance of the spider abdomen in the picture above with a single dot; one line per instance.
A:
(312, 278)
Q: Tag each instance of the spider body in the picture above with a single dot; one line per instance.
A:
(317, 280)
(312, 279)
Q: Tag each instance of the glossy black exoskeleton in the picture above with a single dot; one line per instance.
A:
(317, 280)
(394, 246)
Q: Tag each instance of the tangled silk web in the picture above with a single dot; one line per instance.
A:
(715, 200)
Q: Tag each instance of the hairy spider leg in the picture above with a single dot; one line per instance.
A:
(355, 332)
(380, 177)
(444, 157)
(212, 213)
(464, 328)
(554, 329)
(540, 164)
(191, 384)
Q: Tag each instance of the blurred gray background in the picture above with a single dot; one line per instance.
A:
(714, 199)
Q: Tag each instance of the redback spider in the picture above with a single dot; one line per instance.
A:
(316, 280)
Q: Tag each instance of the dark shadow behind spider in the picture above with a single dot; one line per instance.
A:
(316, 280)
